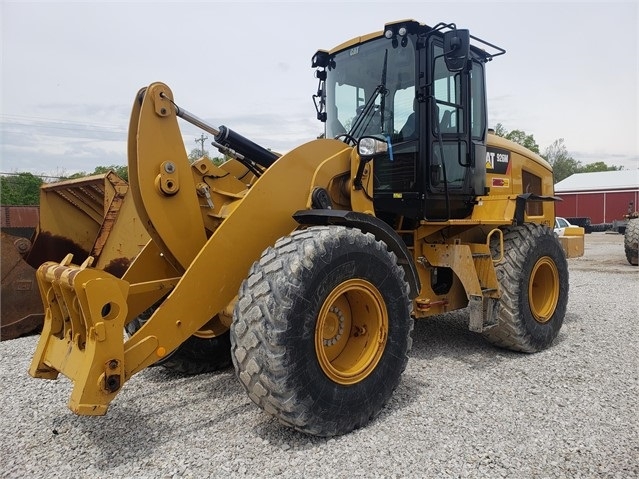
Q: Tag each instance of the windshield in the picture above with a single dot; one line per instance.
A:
(375, 72)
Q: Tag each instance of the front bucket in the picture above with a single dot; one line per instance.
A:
(90, 216)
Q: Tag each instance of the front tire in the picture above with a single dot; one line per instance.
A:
(631, 241)
(321, 331)
(534, 283)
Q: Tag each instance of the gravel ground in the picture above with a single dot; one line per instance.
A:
(463, 408)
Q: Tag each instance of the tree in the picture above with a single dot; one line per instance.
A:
(196, 154)
(121, 170)
(20, 189)
(599, 166)
(500, 130)
(528, 141)
(556, 154)
(563, 165)
(518, 136)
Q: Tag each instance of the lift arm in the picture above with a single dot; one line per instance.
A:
(86, 309)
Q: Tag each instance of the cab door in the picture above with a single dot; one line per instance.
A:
(454, 114)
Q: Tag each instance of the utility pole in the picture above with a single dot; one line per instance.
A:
(201, 140)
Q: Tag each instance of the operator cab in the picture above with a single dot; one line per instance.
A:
(417, 94)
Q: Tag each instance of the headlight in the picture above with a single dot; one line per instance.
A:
(371, 146)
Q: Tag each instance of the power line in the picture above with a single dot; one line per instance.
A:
(32, 174)
(25, 120)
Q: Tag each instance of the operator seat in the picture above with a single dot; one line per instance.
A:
(408, 130)
(445, 125)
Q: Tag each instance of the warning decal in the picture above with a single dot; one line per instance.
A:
(497, 160)
(501, 182)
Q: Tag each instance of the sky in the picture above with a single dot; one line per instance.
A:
(70, 71)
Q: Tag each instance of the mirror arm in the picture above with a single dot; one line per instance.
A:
(357, 181)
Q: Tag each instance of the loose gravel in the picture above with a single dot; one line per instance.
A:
(462, 409)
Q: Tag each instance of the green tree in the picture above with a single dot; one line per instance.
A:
(196, 154)
(598, 166)
(500, 130)
(20, 189)
(556, 154)
(121, 170)
(528, 141)
(518, 136)
(563, 165)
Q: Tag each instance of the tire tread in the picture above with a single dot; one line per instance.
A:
(512, 331)
(258, 333)
(631, 241)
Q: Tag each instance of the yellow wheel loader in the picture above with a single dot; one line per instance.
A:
(316, 262)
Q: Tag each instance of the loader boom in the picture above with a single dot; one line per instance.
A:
(213, 267)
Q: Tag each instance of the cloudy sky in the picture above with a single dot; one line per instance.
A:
(70, 71)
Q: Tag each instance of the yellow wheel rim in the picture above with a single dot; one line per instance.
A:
(543, 289)
(351, 331)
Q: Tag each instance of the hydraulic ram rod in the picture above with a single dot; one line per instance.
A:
(229, 138)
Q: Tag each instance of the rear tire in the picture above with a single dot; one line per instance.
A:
(534, 284)
(631, 241)
(321, 331)
(200, 353)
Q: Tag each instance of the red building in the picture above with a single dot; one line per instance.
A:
(603, 196)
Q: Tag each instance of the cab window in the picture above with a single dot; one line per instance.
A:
(447, 90)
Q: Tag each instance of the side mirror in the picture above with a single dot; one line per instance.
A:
(456, 49)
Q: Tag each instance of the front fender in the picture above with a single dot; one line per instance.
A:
(367, 224)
